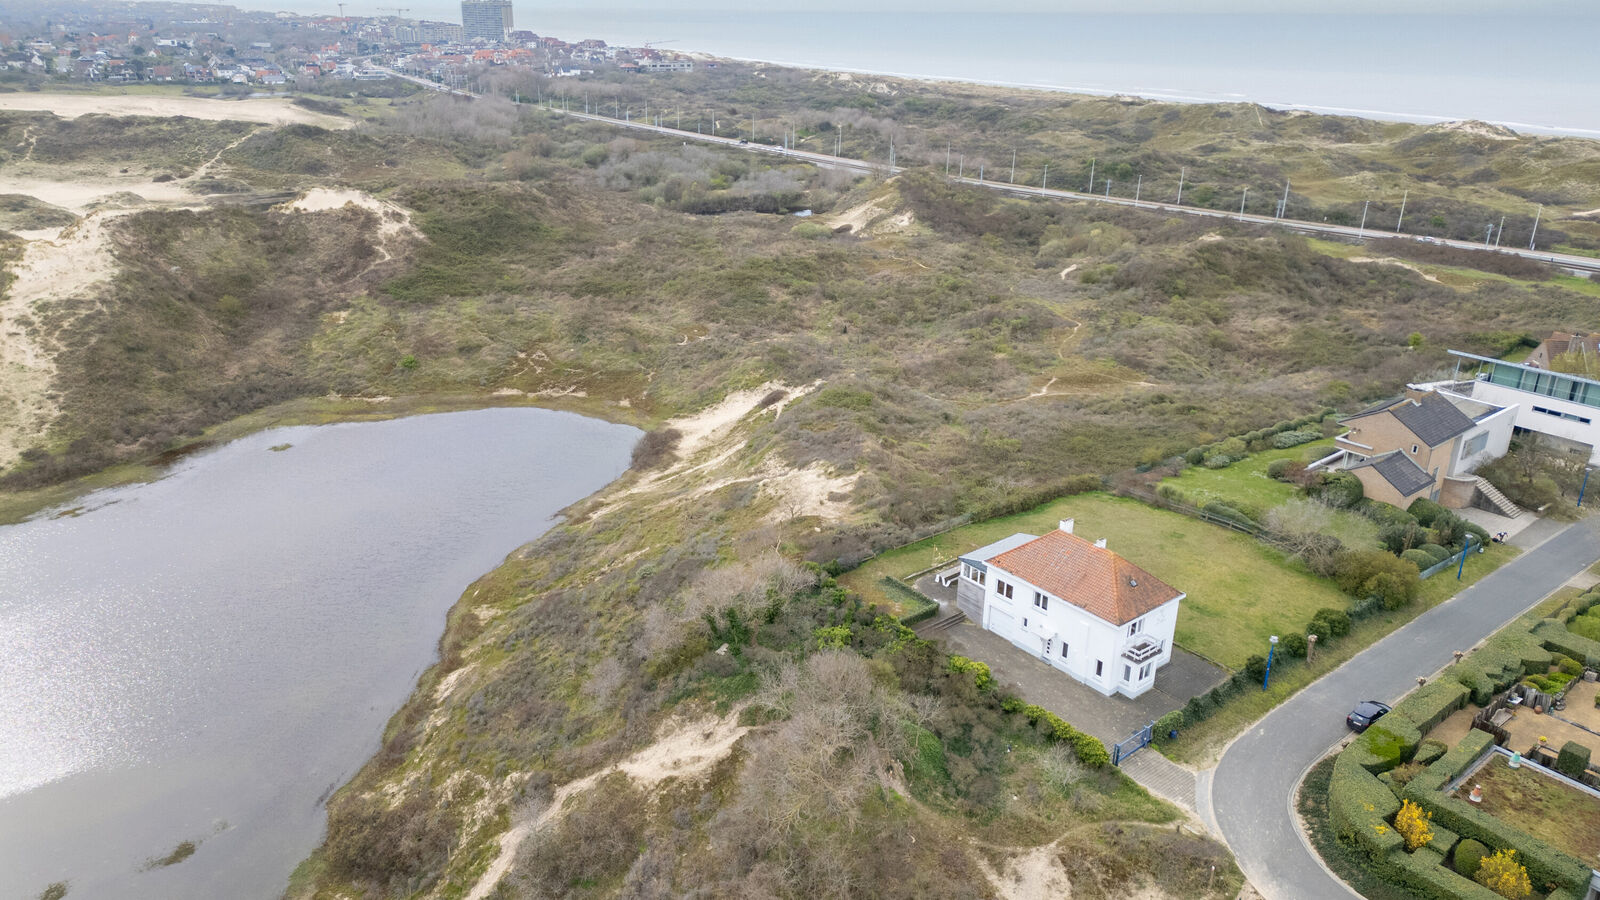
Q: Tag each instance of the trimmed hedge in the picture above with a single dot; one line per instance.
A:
(1436, 552)
(1423, 874)
(1545, 863)
(1088, 748)
(1424, 511)
(1449, 766)
(1467, 856)
(981, 676)
(1361, 807)
(1554, 634)
(1428, 752)
(1388, 743)
(921, 607)
(1573, 759)
(1431, 704)
(1283, 440)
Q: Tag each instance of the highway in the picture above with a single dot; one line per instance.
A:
(1581, 265)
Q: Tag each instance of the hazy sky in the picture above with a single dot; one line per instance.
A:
(1528, 7)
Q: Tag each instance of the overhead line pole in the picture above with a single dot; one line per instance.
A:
(1402, 218)
(1181, 173)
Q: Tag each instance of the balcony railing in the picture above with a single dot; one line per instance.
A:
(1142, 649)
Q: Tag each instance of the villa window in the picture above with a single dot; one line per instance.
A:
(1136, 627)
(1413, 449)
(1003, 589)
(1144, 671)
(1040, 600)
(1127, 673)
(1063, 649)
(1099, 667)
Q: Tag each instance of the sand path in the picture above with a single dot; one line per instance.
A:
(684, 750)
(266, 110)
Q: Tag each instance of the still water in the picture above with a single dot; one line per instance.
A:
(204, 658)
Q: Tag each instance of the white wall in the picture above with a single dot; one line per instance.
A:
(1498, 428)
(1089, 639)
(1541, 422)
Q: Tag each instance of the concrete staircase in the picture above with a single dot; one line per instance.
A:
(1497, 501)
(933, 627)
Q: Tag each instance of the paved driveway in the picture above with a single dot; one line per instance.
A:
(1252, 791)
(1108, 718)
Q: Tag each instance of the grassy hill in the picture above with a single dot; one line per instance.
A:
(952, 355)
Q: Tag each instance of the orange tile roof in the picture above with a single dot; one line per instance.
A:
(1067, 566)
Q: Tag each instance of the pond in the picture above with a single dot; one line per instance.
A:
(206, 657)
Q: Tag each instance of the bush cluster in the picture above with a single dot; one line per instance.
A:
(1282, 435)
(1089, 749)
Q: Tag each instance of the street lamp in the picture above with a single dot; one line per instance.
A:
(1465, 546)
(1267, 678)
(1586, 471)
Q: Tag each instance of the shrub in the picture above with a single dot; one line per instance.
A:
(1218, 461)
(1437, 552)
(1278, 468)
(1570, 666)
(1467, 856)
(1295, 645)
(1328, 623)
(1256, 667)
(1428, 752)
(1573, 759)
(1363, 573)
(1501, 873)
(1448, 529)
(1340, 490)
(1424, 511)
(1414, 825)
(1228, 513)
(1195, 456)
(1420, 558)
(1170, 722)
(1286, 439)
(982, 678)
(656, 448)
(1402, 536)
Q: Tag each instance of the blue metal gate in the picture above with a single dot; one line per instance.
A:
(1121, 750)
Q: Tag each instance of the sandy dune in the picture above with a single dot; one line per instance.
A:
(269, 111)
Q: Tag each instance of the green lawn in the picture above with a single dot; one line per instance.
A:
(1239, 591)
(1245, 481)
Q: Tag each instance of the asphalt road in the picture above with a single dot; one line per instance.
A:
(1569, 262)
(1252, 790)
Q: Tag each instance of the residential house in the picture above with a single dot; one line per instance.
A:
(1076, 605)
(1562, 407)
(1424, 444)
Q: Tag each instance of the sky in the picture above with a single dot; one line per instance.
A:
(1244, 7)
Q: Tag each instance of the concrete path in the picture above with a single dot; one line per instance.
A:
(1252, 789)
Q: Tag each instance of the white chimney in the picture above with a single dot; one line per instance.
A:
(1101, 543)
(1066, 525)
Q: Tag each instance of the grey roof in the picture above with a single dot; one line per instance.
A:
(1432, 418)
(1401, 473)
(982, 555)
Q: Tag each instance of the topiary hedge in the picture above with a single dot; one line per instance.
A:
(1423, 875)
(1283, 440)
(1360, 807)
(1431, 704)
(1437, 552)
(1545, 863)
(1553, 634)
(1467, 857)
(1573, 759)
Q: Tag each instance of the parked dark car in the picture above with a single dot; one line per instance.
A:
(1365, 713)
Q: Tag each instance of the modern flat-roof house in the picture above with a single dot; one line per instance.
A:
(1076, 605)
(1414, 446)
(1563, 407)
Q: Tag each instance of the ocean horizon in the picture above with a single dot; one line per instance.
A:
(1533, 73)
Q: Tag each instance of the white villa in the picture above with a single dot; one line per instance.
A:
(1075, 604)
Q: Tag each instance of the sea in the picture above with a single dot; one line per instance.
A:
(1534, 72)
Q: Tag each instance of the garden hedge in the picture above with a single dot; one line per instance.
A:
(1431, 704)
(1428, 752)
(1387, 744)
(1361, 807)
(1423, 874)
(1420, 558)
(1467, 856)
(1088, 748)
(1424, 511)
(1554, 635)
(920, 606)
(1573, 759)
(1545, 863)
(1449, 767)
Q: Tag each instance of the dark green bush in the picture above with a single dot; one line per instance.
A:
(1195, 456)
(1428, 752)
(1340, 490)
(1328, 623)
(1256, 667)
(1424, 511)
(1420, 558)
(1438, 553)
(1294, 644)
(1278, 467)
(1573, 759)
(1361, 807)
(1468, 854)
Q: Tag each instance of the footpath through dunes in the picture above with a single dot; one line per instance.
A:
(265, 110)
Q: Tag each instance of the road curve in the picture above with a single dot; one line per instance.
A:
(1252, 790)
